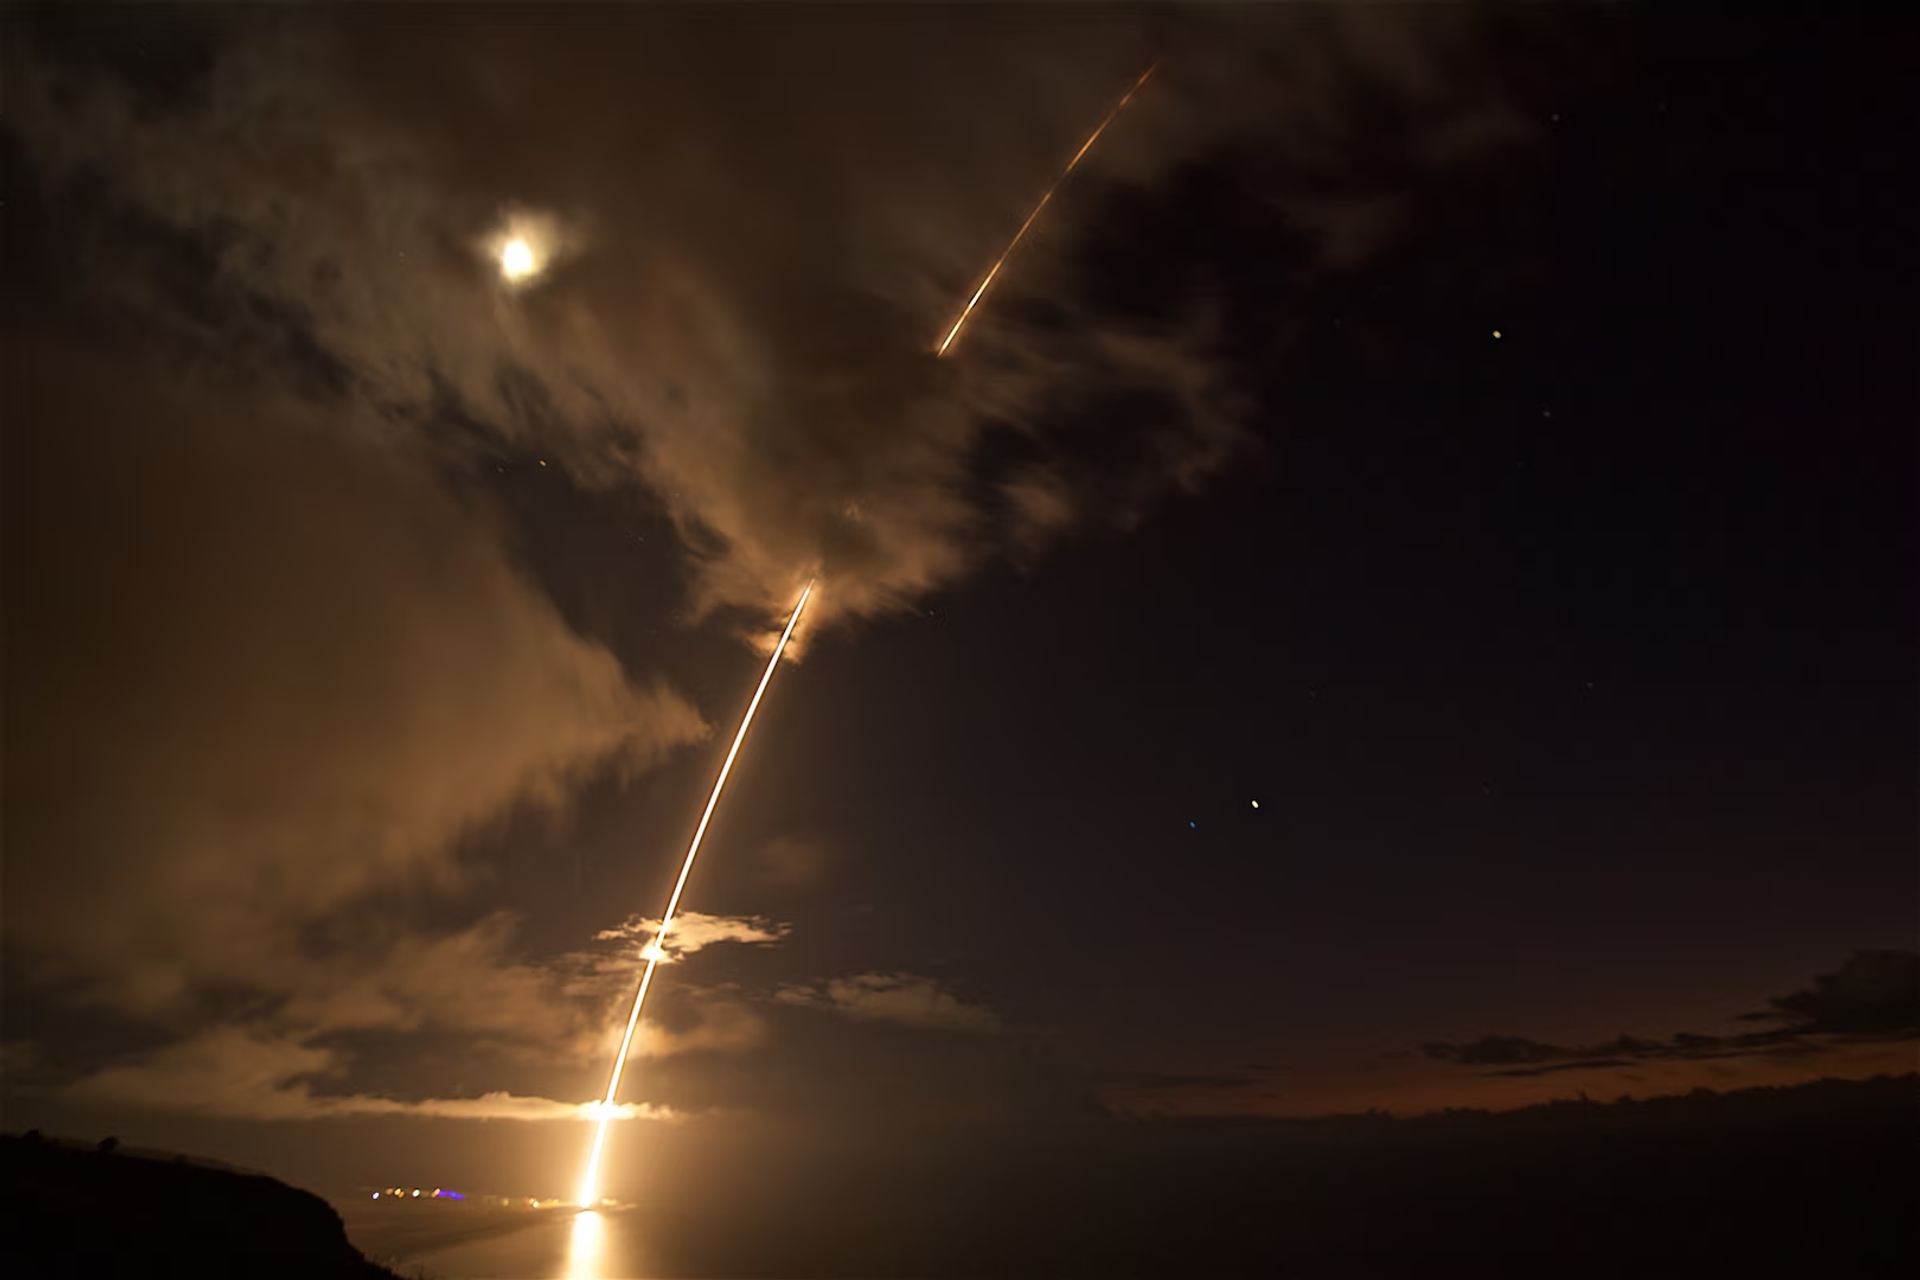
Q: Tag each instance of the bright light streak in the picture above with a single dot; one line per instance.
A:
(1014, 243)
(590, 1182)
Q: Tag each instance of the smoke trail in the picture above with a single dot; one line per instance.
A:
(590, 1181)
(1017, 236)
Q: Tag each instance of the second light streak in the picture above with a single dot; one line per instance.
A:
(974, 301)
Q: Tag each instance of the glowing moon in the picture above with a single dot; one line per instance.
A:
(516, 259)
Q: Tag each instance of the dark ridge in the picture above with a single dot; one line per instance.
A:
(102, 1211)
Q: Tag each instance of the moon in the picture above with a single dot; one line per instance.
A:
(516, 259)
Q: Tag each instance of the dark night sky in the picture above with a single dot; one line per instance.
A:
(1571, 668)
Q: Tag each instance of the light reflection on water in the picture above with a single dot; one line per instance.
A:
(586, 1246)
(541, 1245)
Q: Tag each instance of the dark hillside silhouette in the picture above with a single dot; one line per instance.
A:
(74, 1211)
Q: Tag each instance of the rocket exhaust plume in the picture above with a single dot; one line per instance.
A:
(1001, 261)
(590, 1180)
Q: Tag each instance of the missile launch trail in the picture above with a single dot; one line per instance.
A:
(590, 1181)
(589, 1193)
(1014, 243)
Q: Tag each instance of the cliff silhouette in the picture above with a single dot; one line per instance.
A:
(72, 1210)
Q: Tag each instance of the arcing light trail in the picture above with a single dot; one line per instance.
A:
(590, 1181)
(1014, 243)
(516, 262)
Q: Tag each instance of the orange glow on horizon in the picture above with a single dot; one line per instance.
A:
(1014, 243)
(1418, 1087)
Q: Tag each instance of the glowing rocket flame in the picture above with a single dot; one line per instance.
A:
(590, 1181)
(1014, 243)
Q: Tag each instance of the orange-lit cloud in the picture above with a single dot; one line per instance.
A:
(235, 1074)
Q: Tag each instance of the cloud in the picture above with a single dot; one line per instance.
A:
(274, 661)
(1873, 996)
(234, 1073)
(904, 999)
(258, 672)
(791, 861)
(692, 931)
(267, 680)
(470, 981)
(707, 1020)
(721, 1026)
(765, 225)
(1873, 993)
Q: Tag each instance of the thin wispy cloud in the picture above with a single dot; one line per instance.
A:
(904, 999)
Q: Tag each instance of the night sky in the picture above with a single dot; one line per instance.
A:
(1401, 598)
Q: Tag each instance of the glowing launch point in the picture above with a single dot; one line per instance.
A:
(589, 1194)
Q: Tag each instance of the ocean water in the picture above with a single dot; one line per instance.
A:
(482, 1244)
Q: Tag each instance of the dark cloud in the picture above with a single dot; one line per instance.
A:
(904, 999)
(1554, 1068)
(1874, 995)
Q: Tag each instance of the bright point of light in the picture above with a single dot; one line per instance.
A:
(516, 259)
(652, 953)
(524, 245)
(1256, 804)
(1496, 333)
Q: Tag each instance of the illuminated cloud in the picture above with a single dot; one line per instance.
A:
(722, 1026)
(904, 999)
(234, 1074)
(692, 931)
(298, 675)
(274, 680)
